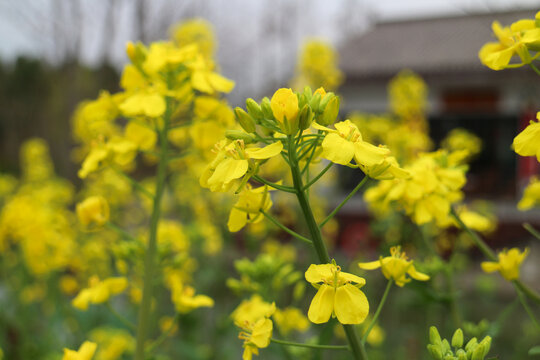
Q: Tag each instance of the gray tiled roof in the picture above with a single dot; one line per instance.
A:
(448, 44)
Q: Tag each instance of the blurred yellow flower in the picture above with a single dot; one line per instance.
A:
(290, 319)
(99, 292)
(396, 267)
(94, 209)
(527, 142)
(85, 352)
(508, 264)
(531, 195)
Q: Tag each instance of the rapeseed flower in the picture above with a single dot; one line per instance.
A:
(338, 295)
(284, 104)
(248, 207)
(85, 352)
(531, 195)
(527, 142)
(99, 292)
(94, 209)
(396, 267)
(508, 264)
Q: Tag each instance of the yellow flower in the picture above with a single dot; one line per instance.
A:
(196, 31)
(99, 291)
(512, 40)
(345, 143)
(185, 300)
(527, 142)
(249, 311)
(144, 103)
(284, 104)
(531, 195)
(396, 267)
(508, 265)
(144, 137)
(94, 209)
(257, 336)
(290, 319)
(338, 295)
(248, 207)
(233, 161)
(85, 352)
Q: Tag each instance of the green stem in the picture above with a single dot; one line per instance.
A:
(486, 250)
(274, 185)
(120, 231)
(532, 230)
(122, 319)
(150, 259)
(134, 182)
(535, 68)
(312, 346)
(523, 301)
(378, 311)
(284, 228)
(314, 180)
(163, 336)
(531, 294)
(357, 348)
(454, 309)
(354, 191)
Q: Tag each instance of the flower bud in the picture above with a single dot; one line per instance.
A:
(305, 118)
(461, 354)
(136, 52)
(94, 209)
(315, 102)
(284, 106)
(434, 336)
(471, 344)
(239, 135)
(457, 339)
(330, 112)
(478, 353)
(445, 346)
(254, 110)
(435, 352)
(246, 122)
(325, 99)
(266, 108)
(486, 345)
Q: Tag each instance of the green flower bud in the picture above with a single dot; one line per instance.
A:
(478, 353)
(330, 112)
(246, 122)
(449, 357)
(446, 346)
(315, 102)
(461, 354)
(471, 345)
(254, 110)
(435, 352)
(486, 345)
(457, 339)
(305, 118)
(434, 336)
(266, 108)
(326, 99)
(240, 135)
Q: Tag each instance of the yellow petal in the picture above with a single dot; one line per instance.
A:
(317, 273)
(350, 305)
(219, 82)
(322, 305)
(262, 332)
(490, 266)
(199, 82)
(368, 154)
(415, 274)
(372, 265)
(337, 149)
(228, 170)
(265, 152)
(352, 278)
(237, 220)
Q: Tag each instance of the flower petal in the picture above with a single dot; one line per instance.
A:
(317, 273)
(322, 305)
(337, 149)
(265, 152)
(228, 170)
(350, 305)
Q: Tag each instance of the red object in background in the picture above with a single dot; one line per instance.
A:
(527, 166)
(355, 235)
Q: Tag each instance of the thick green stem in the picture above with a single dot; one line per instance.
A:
(378, 311)
(357, 348)
(151, 251)
(311, 346)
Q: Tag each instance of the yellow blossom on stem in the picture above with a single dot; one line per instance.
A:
(185, 300)
(233, 161)
(256, 336)
(99, 291)
(345, 143)
(508, 264)
(248, 207)
(284, 104)
(531, 195)
(338, 295)
(94, 209)
(85, 352)
(249, 311)
(527, 142)
(396, 267)
(290, 319)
